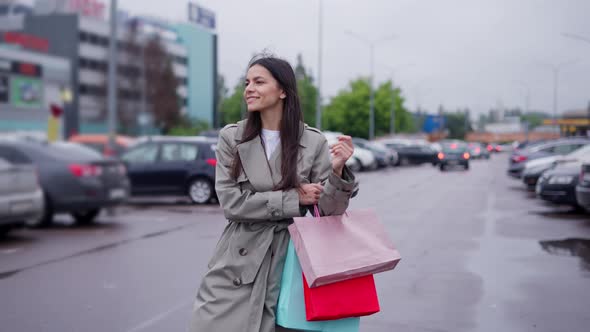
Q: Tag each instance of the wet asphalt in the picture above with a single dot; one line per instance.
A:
(480, 253)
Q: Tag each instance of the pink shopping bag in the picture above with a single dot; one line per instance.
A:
(337, 248)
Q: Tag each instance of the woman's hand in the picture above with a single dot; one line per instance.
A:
(309, 194)
(341, 152)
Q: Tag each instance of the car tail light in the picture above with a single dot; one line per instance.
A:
(490, 147)
(441, 156)
(498, 148)
(519, 158)
(212, 162)
(466, 155)
(80, 170)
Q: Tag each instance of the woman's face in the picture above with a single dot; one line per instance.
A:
(262, 91)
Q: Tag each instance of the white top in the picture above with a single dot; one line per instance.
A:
(271, 139)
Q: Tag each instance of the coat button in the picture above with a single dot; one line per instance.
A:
(243, 252)
(237, 282)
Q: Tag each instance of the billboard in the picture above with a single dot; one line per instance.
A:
(433, 123)
(26, 92)
(201, 16)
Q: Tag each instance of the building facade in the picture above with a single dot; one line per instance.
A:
(77, 31)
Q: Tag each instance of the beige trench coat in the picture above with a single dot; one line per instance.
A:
(239, 293)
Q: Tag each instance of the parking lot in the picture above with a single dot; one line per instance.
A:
(480, 253)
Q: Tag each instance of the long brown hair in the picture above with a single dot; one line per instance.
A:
(290, 134)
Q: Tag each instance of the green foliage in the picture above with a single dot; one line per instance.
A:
(233, 107)
(308, 92)
(348, 112)
(188, 127)
(457, 124)
(534, 119)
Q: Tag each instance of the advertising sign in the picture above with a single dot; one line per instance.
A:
(4, 89)
(26, 92)
(201, 16)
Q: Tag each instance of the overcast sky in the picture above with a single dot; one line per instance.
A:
(459, 53)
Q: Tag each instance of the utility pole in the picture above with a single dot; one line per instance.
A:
(318, 112)
(112, 81)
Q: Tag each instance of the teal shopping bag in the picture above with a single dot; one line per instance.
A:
(291, 306)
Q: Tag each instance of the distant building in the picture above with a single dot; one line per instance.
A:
(77, 31)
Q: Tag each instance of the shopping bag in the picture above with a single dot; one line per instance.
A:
(337, 248)
(349, 298)
(291, 305)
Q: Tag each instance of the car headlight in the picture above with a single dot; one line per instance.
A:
(561, 179)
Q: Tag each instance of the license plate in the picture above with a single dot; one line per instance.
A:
(453, 162)
(20, 207)
(117, 193)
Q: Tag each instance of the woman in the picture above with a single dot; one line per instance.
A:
(270, 168)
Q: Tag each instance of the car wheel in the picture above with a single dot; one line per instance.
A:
(46, 219)
(85, 217)
(356, 166)
(4, 230)
(466, 166)
(200, 190)
(442, 167)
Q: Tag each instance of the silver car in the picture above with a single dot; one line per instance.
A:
(21, 197)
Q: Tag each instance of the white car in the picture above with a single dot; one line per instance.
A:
(362, 159)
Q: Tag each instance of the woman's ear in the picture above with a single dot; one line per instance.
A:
(283, 95)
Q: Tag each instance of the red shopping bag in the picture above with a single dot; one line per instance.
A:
(350, 298)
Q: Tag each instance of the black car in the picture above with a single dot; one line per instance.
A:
(75, 179)
(414, 154)
(383, 155)
(173, 166)
(583, 187)
(454, 154)
(558, 185)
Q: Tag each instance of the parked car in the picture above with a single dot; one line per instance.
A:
(75, 179)
(362, 159)
(413, 153)
(534, 168)
(454, 154)
(550, 148)
(478, 151)
(167, 165)
(99, 143)
(583, 187)
(21, 197)
(383, 155)
(558, 185)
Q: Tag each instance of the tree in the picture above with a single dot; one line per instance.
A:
(308, 92)
(161, 85)
(348, 112)
(221, 92)
(457, 123)
(233, 107)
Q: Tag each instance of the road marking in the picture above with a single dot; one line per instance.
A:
(158, 317)
(10, 251)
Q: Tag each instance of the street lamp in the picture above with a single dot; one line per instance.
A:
(556, 68)
(392, 71)
(112, 73)
(318, 113)
(371, 44)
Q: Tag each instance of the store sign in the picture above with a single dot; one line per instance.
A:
(4, 89)
(26, 41)
(26, 92)
(201, 16)
(89, 8)
(26, 69)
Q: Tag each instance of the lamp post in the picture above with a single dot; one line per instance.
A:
(556, 68)
(318, 113)
(112, 67)
(392, 111)
(371, 44)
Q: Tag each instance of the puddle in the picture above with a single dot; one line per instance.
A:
(570, 247)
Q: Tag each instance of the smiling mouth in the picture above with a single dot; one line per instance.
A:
(251, 99)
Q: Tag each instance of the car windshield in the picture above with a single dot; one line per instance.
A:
(65, 151)
(454, 147)
(581, 152)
